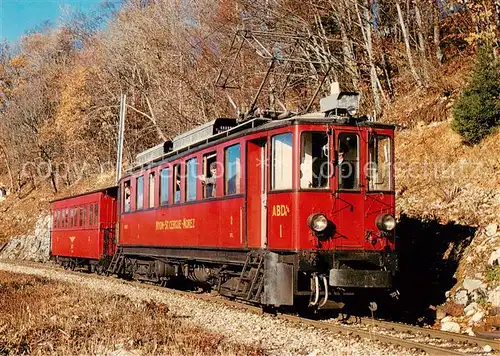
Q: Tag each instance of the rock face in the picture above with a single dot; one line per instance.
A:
(461, 297)
(475, 299)
(473, 284)
(494, 259)
(34, 246)
(494, 297)
(450, 326)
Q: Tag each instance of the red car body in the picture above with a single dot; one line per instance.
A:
(83, 226)
(237, 221)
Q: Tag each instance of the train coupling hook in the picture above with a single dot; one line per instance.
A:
(315, 291)
(325, 298)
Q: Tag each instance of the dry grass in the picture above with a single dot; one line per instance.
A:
(39, 316)
(438, 177)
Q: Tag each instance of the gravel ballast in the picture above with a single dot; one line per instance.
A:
(275, 336)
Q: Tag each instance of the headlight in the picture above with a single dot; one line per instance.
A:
(351, 110)
(386, 222)
(317, 222)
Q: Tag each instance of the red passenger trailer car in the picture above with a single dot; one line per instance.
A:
(83, 229)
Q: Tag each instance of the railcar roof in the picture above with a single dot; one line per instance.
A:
(113, 190)
(262, 125)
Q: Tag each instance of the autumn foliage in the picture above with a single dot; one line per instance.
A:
(60, 87)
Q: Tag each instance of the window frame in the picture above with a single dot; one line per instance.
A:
(124, 203)
(151, 194)
(137, 197)
(330, 172)
(205, 171)
(358, 170)
(238, 187)
(391, 165)
(96, 214)
(187, 176)
(272, 165)
(161, 202)
(176, 171)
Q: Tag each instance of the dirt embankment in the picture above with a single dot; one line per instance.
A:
(42, 316)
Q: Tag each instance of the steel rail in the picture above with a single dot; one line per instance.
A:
(409, 344)
(437, 334)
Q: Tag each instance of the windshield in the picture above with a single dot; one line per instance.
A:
(314, 164)
(380, 164)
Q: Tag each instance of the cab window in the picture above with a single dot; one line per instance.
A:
(380, 163)
(282, 161)
(314, 162)
(348, 161)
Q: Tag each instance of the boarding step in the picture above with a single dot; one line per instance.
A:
(251, 281)
(117, 263)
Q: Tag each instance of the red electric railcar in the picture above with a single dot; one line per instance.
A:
(270, 210)
(83, 229)
(275, 210)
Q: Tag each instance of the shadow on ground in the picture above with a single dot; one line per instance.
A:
(429, 256)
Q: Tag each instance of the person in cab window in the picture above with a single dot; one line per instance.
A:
(127, 194)
(210, 181)
(346, 170)
(177, 190)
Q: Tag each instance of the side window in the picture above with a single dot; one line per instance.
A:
(177, 184)
(151, 199)
(126, 196)
(74, 222)
(282, 162)
(91, 215)
(85, 215)
(58, 218)
(232, 170)
(96, 214)
(164, 177)
(139, 193)
(380, 166)
(209, 176)
(348, 161)
(71, 217)
(314, 160)
(191, 173)
(81, 217)
(66, 218)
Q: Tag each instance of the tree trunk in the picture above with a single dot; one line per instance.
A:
(367, 37)
(347, 49)
(9, 171)
(407, 45)
(437, 35)
(420, 31)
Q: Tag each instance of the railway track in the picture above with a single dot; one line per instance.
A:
(435, 334)
(430, 341)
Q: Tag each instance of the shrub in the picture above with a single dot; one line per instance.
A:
(477, 112)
